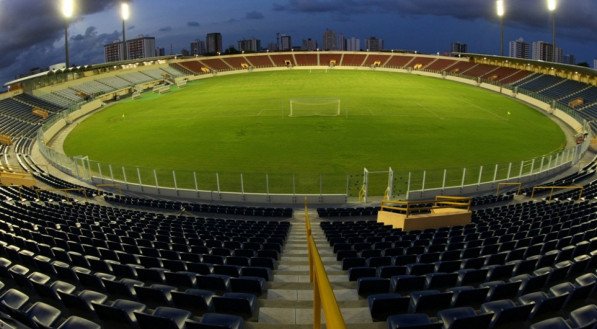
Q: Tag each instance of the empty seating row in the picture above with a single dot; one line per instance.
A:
(202, 208)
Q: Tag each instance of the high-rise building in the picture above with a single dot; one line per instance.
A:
(161, 51)
(569, 59)
(330, 40)
(340, 41)
(595, 64)
(284, 42)
(113, 52)
(141, 47)
(520, 49)
(213, 43)
(353, 44)
(459, 47)
(198, 47)
(374, 44)
(543, 51)
(249, 45)
(309, 44)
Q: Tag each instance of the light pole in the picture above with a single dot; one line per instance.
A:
(552, 5)
(501, 10)
(125, 13)
(68, 9)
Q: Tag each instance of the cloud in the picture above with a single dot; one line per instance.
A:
(576, 16)
(165, 29)
(193, 24)
(254, 15)
(31, 27)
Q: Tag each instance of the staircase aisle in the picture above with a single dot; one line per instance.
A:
(289, 300)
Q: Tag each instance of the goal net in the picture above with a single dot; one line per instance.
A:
(303, 107)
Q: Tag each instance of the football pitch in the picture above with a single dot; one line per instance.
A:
(240, 124)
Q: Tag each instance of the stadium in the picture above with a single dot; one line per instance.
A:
(300, 189)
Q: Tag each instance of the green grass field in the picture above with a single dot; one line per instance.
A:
(239, 124)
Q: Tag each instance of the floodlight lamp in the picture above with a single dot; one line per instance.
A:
(125, 11)
(501, 8)
(68, 8)
(552, 5)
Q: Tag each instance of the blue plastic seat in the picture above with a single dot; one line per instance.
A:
(356, 273)
(584, 317)
(383, 305)
(407, 283)
(412, 321)
(507, 312)
(75, 322)
(372, 285)
(236, 303)
(552, 323)
(163, 318)
(429, 301)
(464, 318)
(196, 301)
(119, 312)
(542, 303)
(468, 296)
(217, 321)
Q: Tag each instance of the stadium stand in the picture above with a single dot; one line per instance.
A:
(216, 64)
(72, 264)
(353, 59)
(539, 83)
(281, 60)
(306, 59)
(372, 59)
(74, 258)
(236, 62)
(439, 65)
(398, 62)
(326, 59)
(260, 61)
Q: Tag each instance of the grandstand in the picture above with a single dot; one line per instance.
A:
(74, 255)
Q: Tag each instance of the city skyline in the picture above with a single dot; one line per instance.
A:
(421, 25)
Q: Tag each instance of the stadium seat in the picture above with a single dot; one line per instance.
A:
(372, 285)
(119, 312)
(507, 312)
(75, 322)
(552, 323)
(196, 301)
(162, 317)
(383, 305)
(412, 321)
(236, 303)
(464, 318)
(584, 317)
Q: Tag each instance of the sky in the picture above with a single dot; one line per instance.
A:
(32, 31)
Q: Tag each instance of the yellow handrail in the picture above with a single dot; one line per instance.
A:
(323, 295)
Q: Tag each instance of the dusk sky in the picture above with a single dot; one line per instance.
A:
(32, 31)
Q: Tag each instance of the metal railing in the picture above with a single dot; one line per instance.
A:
(405, 183)
(323, 295)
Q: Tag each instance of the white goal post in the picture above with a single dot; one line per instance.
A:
(302, 107)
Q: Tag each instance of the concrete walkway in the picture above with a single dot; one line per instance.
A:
(289, 300)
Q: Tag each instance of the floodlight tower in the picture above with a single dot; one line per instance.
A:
(552, 5)
(501, 10)
(68, 9)
(125, 14)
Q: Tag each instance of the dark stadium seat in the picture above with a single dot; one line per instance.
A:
(464, 318)
(236, 303)
(413, 321)
(383, 305)
(119, 312)
(196, 301)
